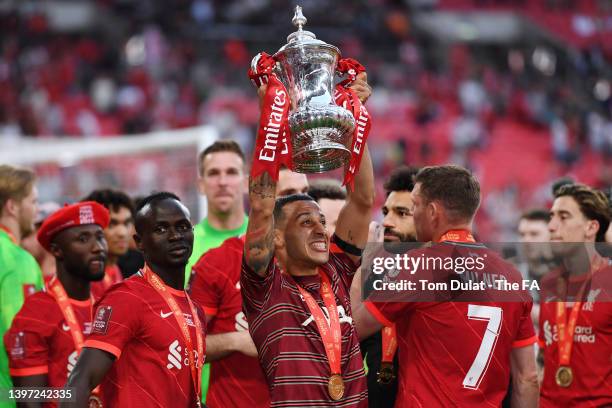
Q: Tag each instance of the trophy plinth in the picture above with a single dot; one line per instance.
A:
(320, 130)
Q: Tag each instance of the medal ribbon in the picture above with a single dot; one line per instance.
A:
(9, 233)
(457, 236)
(195, 367)
(272, 148)
(566, 326)
(389, 343)
(56, 289)
(330, 333)
(107, 281)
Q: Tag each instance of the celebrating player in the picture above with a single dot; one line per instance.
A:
(576, 312)
(48, 333)
(118, 234)
(456, 353)
(307, 361)
(147, 342)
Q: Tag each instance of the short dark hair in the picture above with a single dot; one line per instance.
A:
(219, 146)
(453, 186)
(536, 214)
(329, 189)
(593, 204)
(281, 202)
(113, 200)
(401, 179)
(151, 199)
(155, 197)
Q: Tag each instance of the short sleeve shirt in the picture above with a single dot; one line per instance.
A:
(20, 276)
(39, 340)
(458, 351)
(591, 357)
(290, 348)
(133, 323)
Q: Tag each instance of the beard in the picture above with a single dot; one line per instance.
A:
(401, 246)
(403, 237)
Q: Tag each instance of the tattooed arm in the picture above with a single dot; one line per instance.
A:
(259, 245)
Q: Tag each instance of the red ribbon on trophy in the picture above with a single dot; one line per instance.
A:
(273, 148)
(348, 99)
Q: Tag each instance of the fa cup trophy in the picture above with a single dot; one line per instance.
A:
(320, 130)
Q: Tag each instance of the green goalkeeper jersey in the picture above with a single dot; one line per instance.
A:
(20, 276)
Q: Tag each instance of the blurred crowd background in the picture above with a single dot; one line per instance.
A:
(519, 91)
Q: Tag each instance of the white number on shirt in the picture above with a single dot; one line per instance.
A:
(494, 317)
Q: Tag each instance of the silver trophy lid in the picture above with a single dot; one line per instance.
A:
(301, 36)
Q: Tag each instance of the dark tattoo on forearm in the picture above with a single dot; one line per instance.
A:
(263, 186)
(259, 249)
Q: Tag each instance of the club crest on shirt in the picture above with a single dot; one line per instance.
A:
(103, 314)
(593, 293)
(17, 346)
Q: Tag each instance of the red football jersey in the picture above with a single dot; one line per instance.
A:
(457, 353)
(134, 323)
(591, 356)
(112, 275)
(290, 347)
(39, 340)
(236, 380)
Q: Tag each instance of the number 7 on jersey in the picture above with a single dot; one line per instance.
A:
(479, 367)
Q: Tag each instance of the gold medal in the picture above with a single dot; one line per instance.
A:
(564, 376)
(95, 402)
(335, 387)
(385, 374)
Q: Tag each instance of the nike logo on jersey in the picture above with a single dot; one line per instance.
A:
(187, 316)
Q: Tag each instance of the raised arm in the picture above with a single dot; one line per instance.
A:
(259, 241)
(354, 219)
(88, 372)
